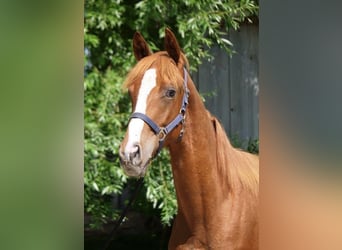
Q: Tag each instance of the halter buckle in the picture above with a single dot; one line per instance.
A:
(162, 134)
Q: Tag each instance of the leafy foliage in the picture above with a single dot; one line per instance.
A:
(160, 189)
(108, 29)
(253, 146)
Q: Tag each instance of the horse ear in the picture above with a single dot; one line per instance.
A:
(140, 47)
(171, 45)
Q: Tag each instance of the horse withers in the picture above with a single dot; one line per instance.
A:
(216, 185)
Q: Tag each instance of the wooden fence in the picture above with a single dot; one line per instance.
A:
(230, 84)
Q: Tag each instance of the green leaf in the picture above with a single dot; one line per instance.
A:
(95, 186)
(105, 190)
(226, 41)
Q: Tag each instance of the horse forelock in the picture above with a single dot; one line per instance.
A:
(161, 61)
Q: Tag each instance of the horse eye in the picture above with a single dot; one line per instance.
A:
(170, 93)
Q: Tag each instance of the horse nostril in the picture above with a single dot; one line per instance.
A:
(135, 152)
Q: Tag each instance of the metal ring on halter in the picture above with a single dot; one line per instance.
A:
(162, 134)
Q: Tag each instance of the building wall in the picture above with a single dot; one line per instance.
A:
(230, 84)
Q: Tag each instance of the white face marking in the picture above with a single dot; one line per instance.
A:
(135, 126)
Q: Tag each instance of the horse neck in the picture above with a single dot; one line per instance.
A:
(194, 159)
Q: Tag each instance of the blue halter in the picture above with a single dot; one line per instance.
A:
(162, 132)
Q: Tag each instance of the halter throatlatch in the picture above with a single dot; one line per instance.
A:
(162, 132)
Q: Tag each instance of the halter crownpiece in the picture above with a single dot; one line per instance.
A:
(162, 132)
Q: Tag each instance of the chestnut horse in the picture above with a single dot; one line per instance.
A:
(216, 184)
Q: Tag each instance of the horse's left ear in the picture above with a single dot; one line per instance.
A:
(171, 45)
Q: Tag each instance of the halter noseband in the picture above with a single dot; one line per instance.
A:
(162, 132)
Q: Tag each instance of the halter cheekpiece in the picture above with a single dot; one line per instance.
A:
(162, 132)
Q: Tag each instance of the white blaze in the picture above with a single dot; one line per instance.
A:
(135, 126)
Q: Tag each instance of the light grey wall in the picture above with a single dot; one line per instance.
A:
(232, 84)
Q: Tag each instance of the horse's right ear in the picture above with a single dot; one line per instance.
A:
(140, 47)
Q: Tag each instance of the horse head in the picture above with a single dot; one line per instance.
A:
(158, 90)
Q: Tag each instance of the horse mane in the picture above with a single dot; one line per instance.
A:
(236, 167)
(160, 60)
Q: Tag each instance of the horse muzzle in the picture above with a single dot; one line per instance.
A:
(132, 162)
